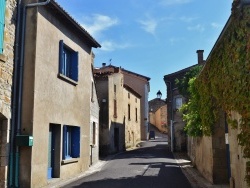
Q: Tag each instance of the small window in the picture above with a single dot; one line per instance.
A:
(2, 21)
(115, 108)
(92, 92)
(94, 134)
(68, 62)
(136, 100)
(71, 142)
(129, 95)
(114, 88)
(178, 103)
(128, 111)
(136, 118)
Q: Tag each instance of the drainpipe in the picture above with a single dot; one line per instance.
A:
(17, 93)
(14, 99)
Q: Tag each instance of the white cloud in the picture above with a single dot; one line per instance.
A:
(175, 40)
(111, 46)
(187, 19)
(149, 25)
(173, 2)
(197, 27)
(216, 25)
(99, 23)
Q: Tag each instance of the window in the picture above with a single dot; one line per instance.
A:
(94, 134)
(114, 88)
(2, 20)
(68, 62)
(92, 92)
(129, 95)
(71, 142)
(115, 108)
(128, 111)
(136, 119)
(178, 103)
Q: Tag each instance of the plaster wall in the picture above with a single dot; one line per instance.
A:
(49, 99)
(237, 162)
(141, 86)
(202, 156)
(116, 120)
(161, 119)
(132, 125)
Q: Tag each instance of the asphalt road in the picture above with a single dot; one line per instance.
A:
(150, 166)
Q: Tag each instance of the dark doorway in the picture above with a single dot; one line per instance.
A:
(116, 138)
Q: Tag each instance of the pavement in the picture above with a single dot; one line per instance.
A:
(194, 177)
(192, 174)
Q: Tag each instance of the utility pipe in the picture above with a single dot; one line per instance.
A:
(20, 86)
(14, 98)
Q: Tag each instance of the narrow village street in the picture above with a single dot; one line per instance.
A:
(151, 165)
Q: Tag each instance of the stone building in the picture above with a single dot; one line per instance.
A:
(177, 136)
(220, 158)
(158, 114)
(7, 45)
(94, 120)
(121, 107)
(120, 111)
(59, 105)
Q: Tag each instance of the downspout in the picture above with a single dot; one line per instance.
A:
(20, 84)
(11, 165)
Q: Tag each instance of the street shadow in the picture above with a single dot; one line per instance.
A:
(157, 175)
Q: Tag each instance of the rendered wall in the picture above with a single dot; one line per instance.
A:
(48, 99)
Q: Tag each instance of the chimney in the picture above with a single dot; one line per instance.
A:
(103, 64)
(200, 56)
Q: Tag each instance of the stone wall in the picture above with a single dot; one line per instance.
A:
(6, 76)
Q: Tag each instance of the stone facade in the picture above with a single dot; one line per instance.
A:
(6, 76)
(174, 102)
(120, 113)
(158, 114)
(57, 109)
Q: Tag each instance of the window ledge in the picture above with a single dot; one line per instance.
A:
(67, 79)
(67, 161)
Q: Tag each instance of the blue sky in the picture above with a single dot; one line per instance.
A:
(151, 37)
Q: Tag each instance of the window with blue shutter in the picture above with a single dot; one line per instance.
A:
(71, 142)
(68, 61)
(2, 19)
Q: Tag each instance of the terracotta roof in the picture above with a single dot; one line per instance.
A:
(115, 69)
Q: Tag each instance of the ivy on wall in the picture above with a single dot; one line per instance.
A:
(224, 83)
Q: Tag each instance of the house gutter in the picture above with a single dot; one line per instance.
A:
(13, 177)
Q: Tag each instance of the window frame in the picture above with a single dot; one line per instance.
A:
(71, 142)
(68, 63)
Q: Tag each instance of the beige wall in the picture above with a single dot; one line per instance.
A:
(201, 154)
(141, 86)
(6, 83)
(48, 99)
(161, 119)
(132, 127)
(237, 162)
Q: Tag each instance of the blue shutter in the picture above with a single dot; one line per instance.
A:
(64, 141)
(61, 57)
(74, 67)
(2, 19)
(75, 141)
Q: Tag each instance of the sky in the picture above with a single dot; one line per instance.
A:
(151, 37)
